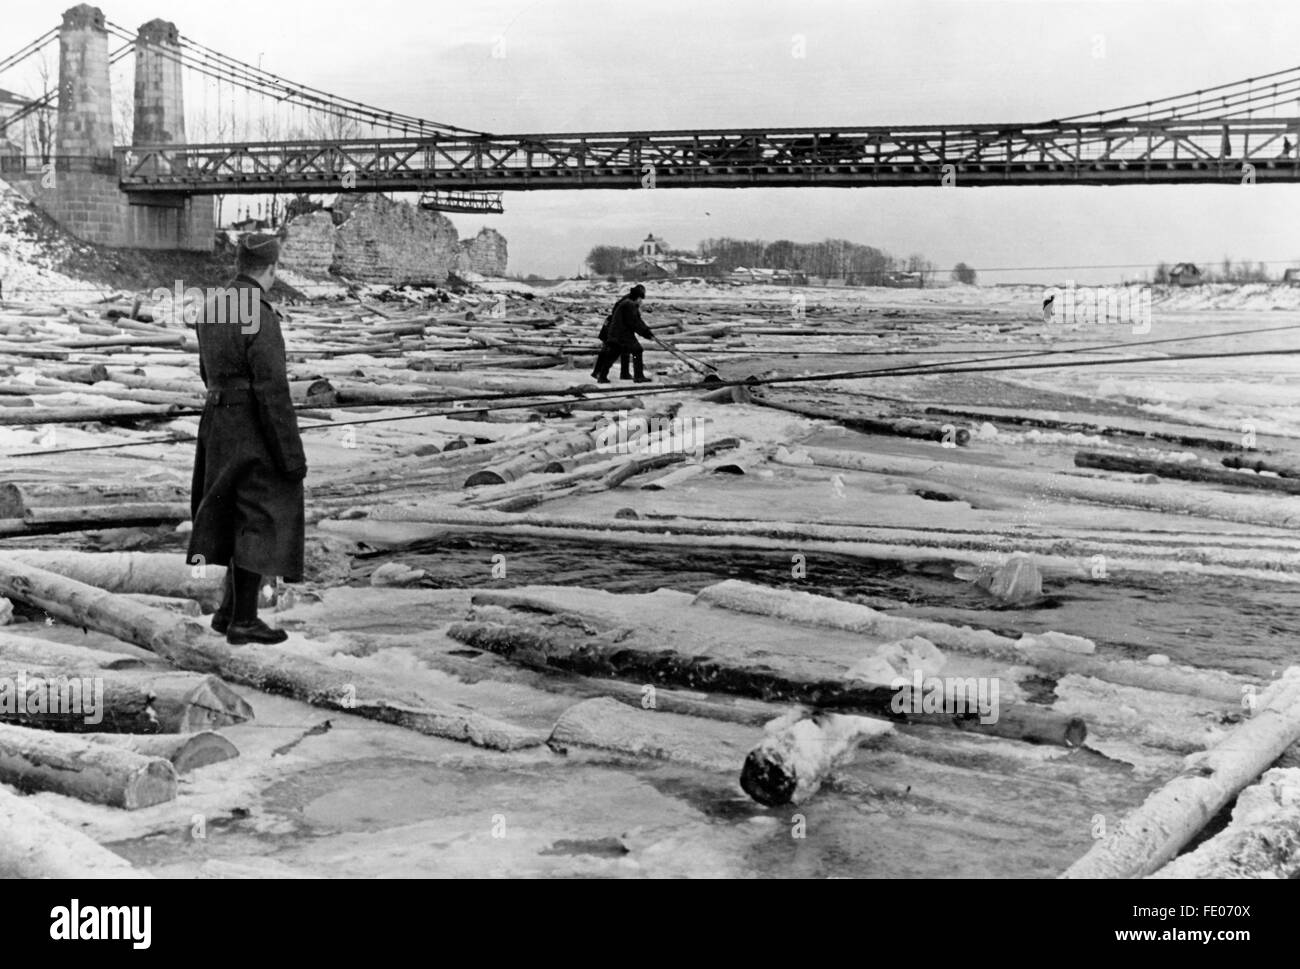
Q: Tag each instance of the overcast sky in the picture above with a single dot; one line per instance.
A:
(587, 65)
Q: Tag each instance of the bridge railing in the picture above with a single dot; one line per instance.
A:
(37, 165)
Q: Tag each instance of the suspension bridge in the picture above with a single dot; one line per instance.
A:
(256, 133)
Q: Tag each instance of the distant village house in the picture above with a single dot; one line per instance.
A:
(1185, 274)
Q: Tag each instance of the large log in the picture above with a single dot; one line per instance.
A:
(92, 374)
(640, 464)
(122, 701)
(576, 644)
(1109, 429)
(82, 415)
(148, 573)
(1174, 500)
(605, 724)
(188, 384)
(1281, 468)
(1265, 558)
(604, 471)
(1154, 833)
(1184, 472)
(192, 646)
(730, 709)
(98, 516)
(897, 427)
(34, 845)
(37, 760)
(544, 458)
(1261, 841)
(17, 499)
(186, 607)
(186, 752)
(791, 605)
(17, 651)
(800, 751)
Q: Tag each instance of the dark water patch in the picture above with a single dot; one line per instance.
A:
(599, 847)
(1231, 623)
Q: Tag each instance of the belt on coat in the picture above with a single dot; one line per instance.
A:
(227, 395)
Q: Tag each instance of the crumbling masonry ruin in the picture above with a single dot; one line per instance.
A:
(372, 239)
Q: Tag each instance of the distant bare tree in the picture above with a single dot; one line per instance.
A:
(39, 126)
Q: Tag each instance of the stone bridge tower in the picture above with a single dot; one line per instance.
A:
(80, 189)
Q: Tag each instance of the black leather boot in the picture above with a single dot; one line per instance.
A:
(221, 618)
(244, 626)
(256, 631)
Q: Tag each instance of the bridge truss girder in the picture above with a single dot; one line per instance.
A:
(1111, 153)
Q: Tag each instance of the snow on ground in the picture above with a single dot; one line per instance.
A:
(26, 262)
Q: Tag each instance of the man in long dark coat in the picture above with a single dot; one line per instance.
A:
(247, 497)
(624, 358)
(625, 326)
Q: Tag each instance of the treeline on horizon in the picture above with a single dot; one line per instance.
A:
(1226, 272)
(835, 258)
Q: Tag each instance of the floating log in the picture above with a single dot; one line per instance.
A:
(1250, 509)
(543, 458)
(186, 752)
(17, 499)
(316, 392)
(190, 645)
(91, 374)
(186, 607)
(1261, 841)
(1155, 832)
(672, 477)
(93, 516)
(595, 472)
(83, 415)
(35, 353)
(17, 651)
(34, 845)
(124, 701)
(1084, 427)
(607, 404)
(792, 605)
(606, 724)
(1266, 559)
(1253, 464)
(148, 573)
(125, 340)
(37, 760)
(897, 427)
(353, 393)
(187, 384)
(1185, 472)
(800, 751)
(575, 644)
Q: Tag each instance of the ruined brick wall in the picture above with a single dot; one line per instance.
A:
(371, 239)
(310, 246)
(392, 242)
(485, 253)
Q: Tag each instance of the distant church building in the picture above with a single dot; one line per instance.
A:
(654, 260)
